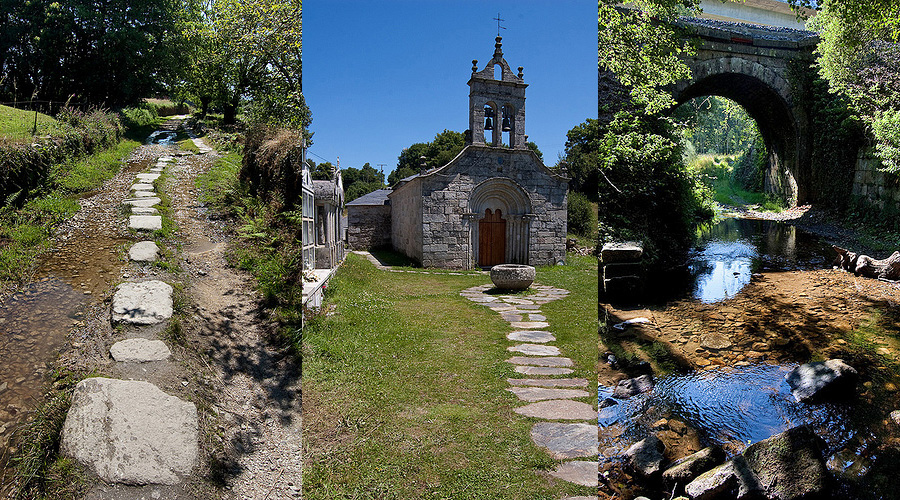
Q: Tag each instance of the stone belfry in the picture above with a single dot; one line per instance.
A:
(497, 104)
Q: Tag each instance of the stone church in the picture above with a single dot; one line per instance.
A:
(495, 202)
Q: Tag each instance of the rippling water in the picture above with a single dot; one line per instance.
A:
(732, 407)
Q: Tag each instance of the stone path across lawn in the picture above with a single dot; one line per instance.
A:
(568, 429)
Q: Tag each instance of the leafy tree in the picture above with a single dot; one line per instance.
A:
(445, 146)
(322, 172)
(581, 160)
(360, 181)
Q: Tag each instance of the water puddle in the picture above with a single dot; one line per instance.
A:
(164, 137)
(728, 253)
(33, 326)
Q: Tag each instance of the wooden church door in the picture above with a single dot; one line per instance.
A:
(491, 238)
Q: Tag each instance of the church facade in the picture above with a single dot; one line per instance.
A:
(496, 202)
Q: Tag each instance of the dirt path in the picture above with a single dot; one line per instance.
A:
(247, 391)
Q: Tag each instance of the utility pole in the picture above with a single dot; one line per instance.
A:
(382, 165)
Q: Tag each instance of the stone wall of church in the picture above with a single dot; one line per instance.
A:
(448, 219)
(368, 226)
(406, 219)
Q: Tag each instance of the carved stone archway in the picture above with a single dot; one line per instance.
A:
(500, 196)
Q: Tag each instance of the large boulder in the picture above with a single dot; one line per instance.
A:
(733, 480)
(130, 432)
(688, 468)
(822, 381)
(646, 456)
(790, 465)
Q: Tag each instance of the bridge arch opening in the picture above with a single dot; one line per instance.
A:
(774, 116)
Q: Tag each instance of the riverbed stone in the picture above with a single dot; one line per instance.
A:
(143, 303)
(549, 382)
(688, 468)
(564, 441)
(646, 456)
(145, 222)
(535, 349)
(790, 465)
(542, 370)
(540, 361)
(148, 178)
(140, 186)
(627, 251)
(143, 251)
(729, 481)
(559, 409)
(715, 341)
(130, 432)
(144, 194)
(531, 336)
(541, 393)
(577, 471)
(144, 211)
(139, 350)
(633, 386)
(822, 381)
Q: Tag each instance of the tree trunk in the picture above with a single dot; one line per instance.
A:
(863, 265)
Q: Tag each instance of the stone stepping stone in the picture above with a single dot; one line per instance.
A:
(147, 177)
(529, 324)
(559, 409)
(549, 382)
(142, 202)
(128, 431)
(139, 350)
(542, 361)
(511, 316)
(513, 300)
(535, 349)
(142, 187)
(144, 211)
(482, 299)
(498, 307)
(529, 307)
(144, 303)
(536, 317)
(531, 336)
(579, 498)
(542, 370)
(531, 394)
(144, 251)
(578, 472)
(564, 441)
(166, 159)
(144, 194)
(145, 222)
(156, 170)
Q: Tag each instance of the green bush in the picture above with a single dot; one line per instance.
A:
(581, 215)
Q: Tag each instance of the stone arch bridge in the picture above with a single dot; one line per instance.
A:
(750, 65)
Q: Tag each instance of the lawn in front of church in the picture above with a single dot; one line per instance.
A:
(404, 387)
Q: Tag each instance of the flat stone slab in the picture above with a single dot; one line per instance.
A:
(559, 409)
(529, 324)
(143, 251)
(535, 349)
(141, 186)
(548, 382)
(542, 361)
(564, 441)
(142, 202)
(145, 222)
(144, 211)
(130, 432)
(144, 303)
(166, 158)
(578, 472)
(542, 393)
(531, 336)
(145, 194)
(542, 370)
(139, 350)
(147, 177)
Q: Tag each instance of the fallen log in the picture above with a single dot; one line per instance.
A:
(863, 265)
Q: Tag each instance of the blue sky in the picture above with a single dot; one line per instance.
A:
(379, 76)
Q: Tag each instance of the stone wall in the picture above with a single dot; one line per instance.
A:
(369, 226)
(406, 219)
(875, 188)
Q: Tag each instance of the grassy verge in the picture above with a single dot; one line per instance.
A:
(404, 387)
(717, 173)
(25, 232)
(18, 124)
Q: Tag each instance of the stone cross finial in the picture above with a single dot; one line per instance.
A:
(498, 19)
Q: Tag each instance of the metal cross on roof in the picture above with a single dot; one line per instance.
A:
(498, 19)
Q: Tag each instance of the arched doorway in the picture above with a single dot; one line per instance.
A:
(500, 211)
(492, 238)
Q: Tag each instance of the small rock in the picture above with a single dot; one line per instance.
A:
(633, 386)
(895, 416)
(646, 456)
(822, 380)
(688, 468)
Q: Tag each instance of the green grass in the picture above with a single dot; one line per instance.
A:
(404, 387)
(188, 145)
(25, 232)
(16, 124)
(169, 227)
(219, 186)
(716, 172)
